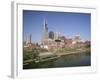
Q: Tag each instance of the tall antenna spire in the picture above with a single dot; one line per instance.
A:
(44, 23)
(45, 31)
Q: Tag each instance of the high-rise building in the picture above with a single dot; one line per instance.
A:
(28, 43)
(77, 37)
(45, 33)
(77, 41)
(45, 30)
(51, 35)
(56, 35)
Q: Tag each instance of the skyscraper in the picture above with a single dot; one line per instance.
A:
(77, 38)
(45, 30)
(56, 35)
(45, 33)
(51, 35)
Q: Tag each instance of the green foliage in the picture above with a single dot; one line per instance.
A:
(32, 54)
(27, 55)
(87, 46)
(35, 53)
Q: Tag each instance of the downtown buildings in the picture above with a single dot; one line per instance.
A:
(51, 40)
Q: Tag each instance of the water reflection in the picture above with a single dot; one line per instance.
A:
(71, 60)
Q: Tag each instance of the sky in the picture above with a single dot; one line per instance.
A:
(68, 24)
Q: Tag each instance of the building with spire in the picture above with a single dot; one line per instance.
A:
(45, 35)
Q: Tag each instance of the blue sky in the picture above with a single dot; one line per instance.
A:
(67, 23)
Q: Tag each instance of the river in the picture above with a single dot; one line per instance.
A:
(70, 60)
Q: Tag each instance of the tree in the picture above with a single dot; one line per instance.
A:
(35, 53)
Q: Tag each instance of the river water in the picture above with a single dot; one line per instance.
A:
(70, 60)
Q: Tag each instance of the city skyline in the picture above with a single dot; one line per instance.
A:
(67, 23)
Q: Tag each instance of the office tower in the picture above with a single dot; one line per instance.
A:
(51, 35)
(45, 33)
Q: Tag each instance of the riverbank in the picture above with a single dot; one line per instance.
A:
(73, 52)
(70, 60)
(53, 56)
